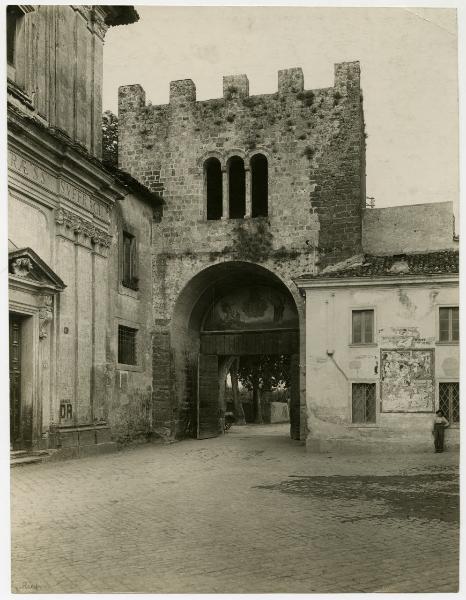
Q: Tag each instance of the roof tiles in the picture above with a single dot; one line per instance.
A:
(398, 265)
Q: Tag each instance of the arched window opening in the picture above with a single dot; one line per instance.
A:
(213, 174)
(236, 188)
(259, 186)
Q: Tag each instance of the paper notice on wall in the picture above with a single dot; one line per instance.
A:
(407, 380)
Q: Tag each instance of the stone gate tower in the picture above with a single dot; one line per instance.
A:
(257, 190)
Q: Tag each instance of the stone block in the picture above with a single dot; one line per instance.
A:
(87, 437)
(182, 90)
(103, 435)
(290, 81)
(235, 86)
(347, 76)
(130, 98)
(68, 439)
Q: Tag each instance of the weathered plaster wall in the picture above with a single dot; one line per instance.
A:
(127, 390)
(405, 317)
(414, 228)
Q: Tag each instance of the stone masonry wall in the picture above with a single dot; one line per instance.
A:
(314, 144)
(313, 140)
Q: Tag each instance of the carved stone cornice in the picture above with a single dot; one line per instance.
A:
(78, 224)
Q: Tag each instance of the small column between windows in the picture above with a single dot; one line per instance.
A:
(225, 195)
(248, 212)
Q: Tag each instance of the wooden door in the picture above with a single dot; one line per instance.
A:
(15, 382)
(295, 404)
(208, 418)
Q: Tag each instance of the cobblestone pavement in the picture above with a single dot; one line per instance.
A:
(247, 512)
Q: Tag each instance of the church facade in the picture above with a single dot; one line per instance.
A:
(66, 213)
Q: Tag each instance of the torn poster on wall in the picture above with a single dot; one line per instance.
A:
(407, 380)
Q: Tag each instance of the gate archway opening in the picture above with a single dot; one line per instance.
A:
(231, 311)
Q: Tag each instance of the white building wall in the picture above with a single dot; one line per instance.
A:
(405, 317)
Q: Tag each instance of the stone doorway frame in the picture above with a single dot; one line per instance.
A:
(33, 296)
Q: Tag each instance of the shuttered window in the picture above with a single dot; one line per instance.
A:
(363, 327)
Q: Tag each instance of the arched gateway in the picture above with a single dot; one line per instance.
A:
(231, 309)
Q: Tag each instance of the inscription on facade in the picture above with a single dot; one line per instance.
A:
(79, 197)
(30, 170)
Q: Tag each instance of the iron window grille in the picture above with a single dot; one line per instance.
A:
(363, 403)
(362, 326)
(129, 275)
(127, 354)
(449, 330)
(449, 401)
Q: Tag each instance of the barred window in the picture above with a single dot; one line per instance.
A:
(363, 326)
(449, 324)
(127, 345)
(449, 400)
(129, 262)
(363, 403)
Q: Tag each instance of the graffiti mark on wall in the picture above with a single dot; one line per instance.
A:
(407, 380)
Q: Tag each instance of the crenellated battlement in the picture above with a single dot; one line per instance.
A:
(236, 88)
(296, 156)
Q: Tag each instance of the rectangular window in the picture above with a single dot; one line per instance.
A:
(449, 324)
(129, 260)
(363, 327)
(363, 403)
(127, 345)
(449, 400)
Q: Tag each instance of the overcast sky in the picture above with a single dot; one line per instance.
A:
(408, 62)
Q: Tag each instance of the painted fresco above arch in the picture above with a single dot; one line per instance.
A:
(256, 307)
